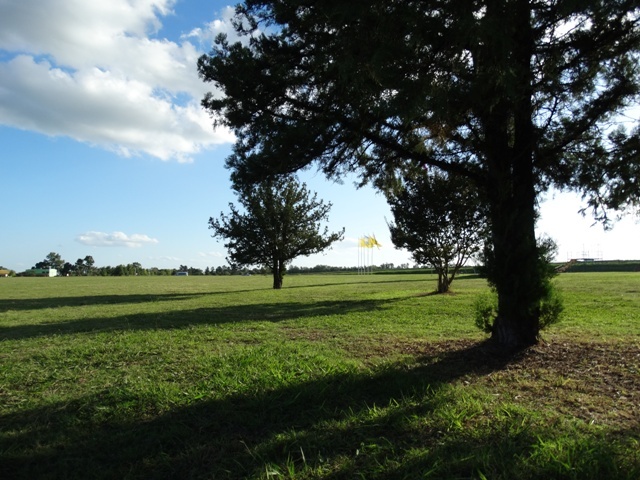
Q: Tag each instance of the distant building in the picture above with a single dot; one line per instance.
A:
(42, 272)
(5, 273)
(182, 274)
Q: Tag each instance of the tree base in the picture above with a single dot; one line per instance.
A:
(508, 342)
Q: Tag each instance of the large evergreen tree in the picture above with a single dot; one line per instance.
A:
(516, 95)
(281, 222)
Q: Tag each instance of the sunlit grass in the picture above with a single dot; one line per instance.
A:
(335, 376)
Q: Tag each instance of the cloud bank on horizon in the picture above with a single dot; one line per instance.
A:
(101, 73)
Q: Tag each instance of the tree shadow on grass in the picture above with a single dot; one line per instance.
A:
(176, 319)
(8, 304)
(347, 425)
(81, 301)
(365, 281)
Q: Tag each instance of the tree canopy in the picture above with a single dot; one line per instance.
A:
(281, 221)
(52, 260)
(516, 95)
(440, 220)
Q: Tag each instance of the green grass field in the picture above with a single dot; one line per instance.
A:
(333, 377)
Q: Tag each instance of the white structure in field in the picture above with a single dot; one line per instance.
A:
(44, 272)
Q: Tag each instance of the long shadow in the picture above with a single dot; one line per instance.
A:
(224, 438)
(427, 281)
(362, 282)
(175, 319)
(239, 436)
(79, 301)
(469, 276)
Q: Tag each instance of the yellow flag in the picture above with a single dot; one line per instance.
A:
(368, 242)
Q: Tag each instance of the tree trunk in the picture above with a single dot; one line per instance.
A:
(443, 287)
(278, 274)
(443, 281)
(516, 275)
(514, 267)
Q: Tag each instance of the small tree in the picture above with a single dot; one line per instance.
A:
(440, 219)
(281, 222)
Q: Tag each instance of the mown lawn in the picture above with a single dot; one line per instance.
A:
(335, 376)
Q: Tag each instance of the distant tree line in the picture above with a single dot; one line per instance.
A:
(354, 269)
(86, 267)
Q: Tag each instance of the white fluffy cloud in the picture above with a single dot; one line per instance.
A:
(115, 239)
(93, 71)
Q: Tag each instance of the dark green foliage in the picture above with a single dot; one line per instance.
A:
(281, 222)
(440, 220)
(52, 260)
(486, 311)
(550, 306)
(67, 269)
(516, 95)
(83, 266)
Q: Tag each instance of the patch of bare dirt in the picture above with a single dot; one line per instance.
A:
(595, 382)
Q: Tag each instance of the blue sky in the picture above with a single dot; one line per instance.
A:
(106, 152)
